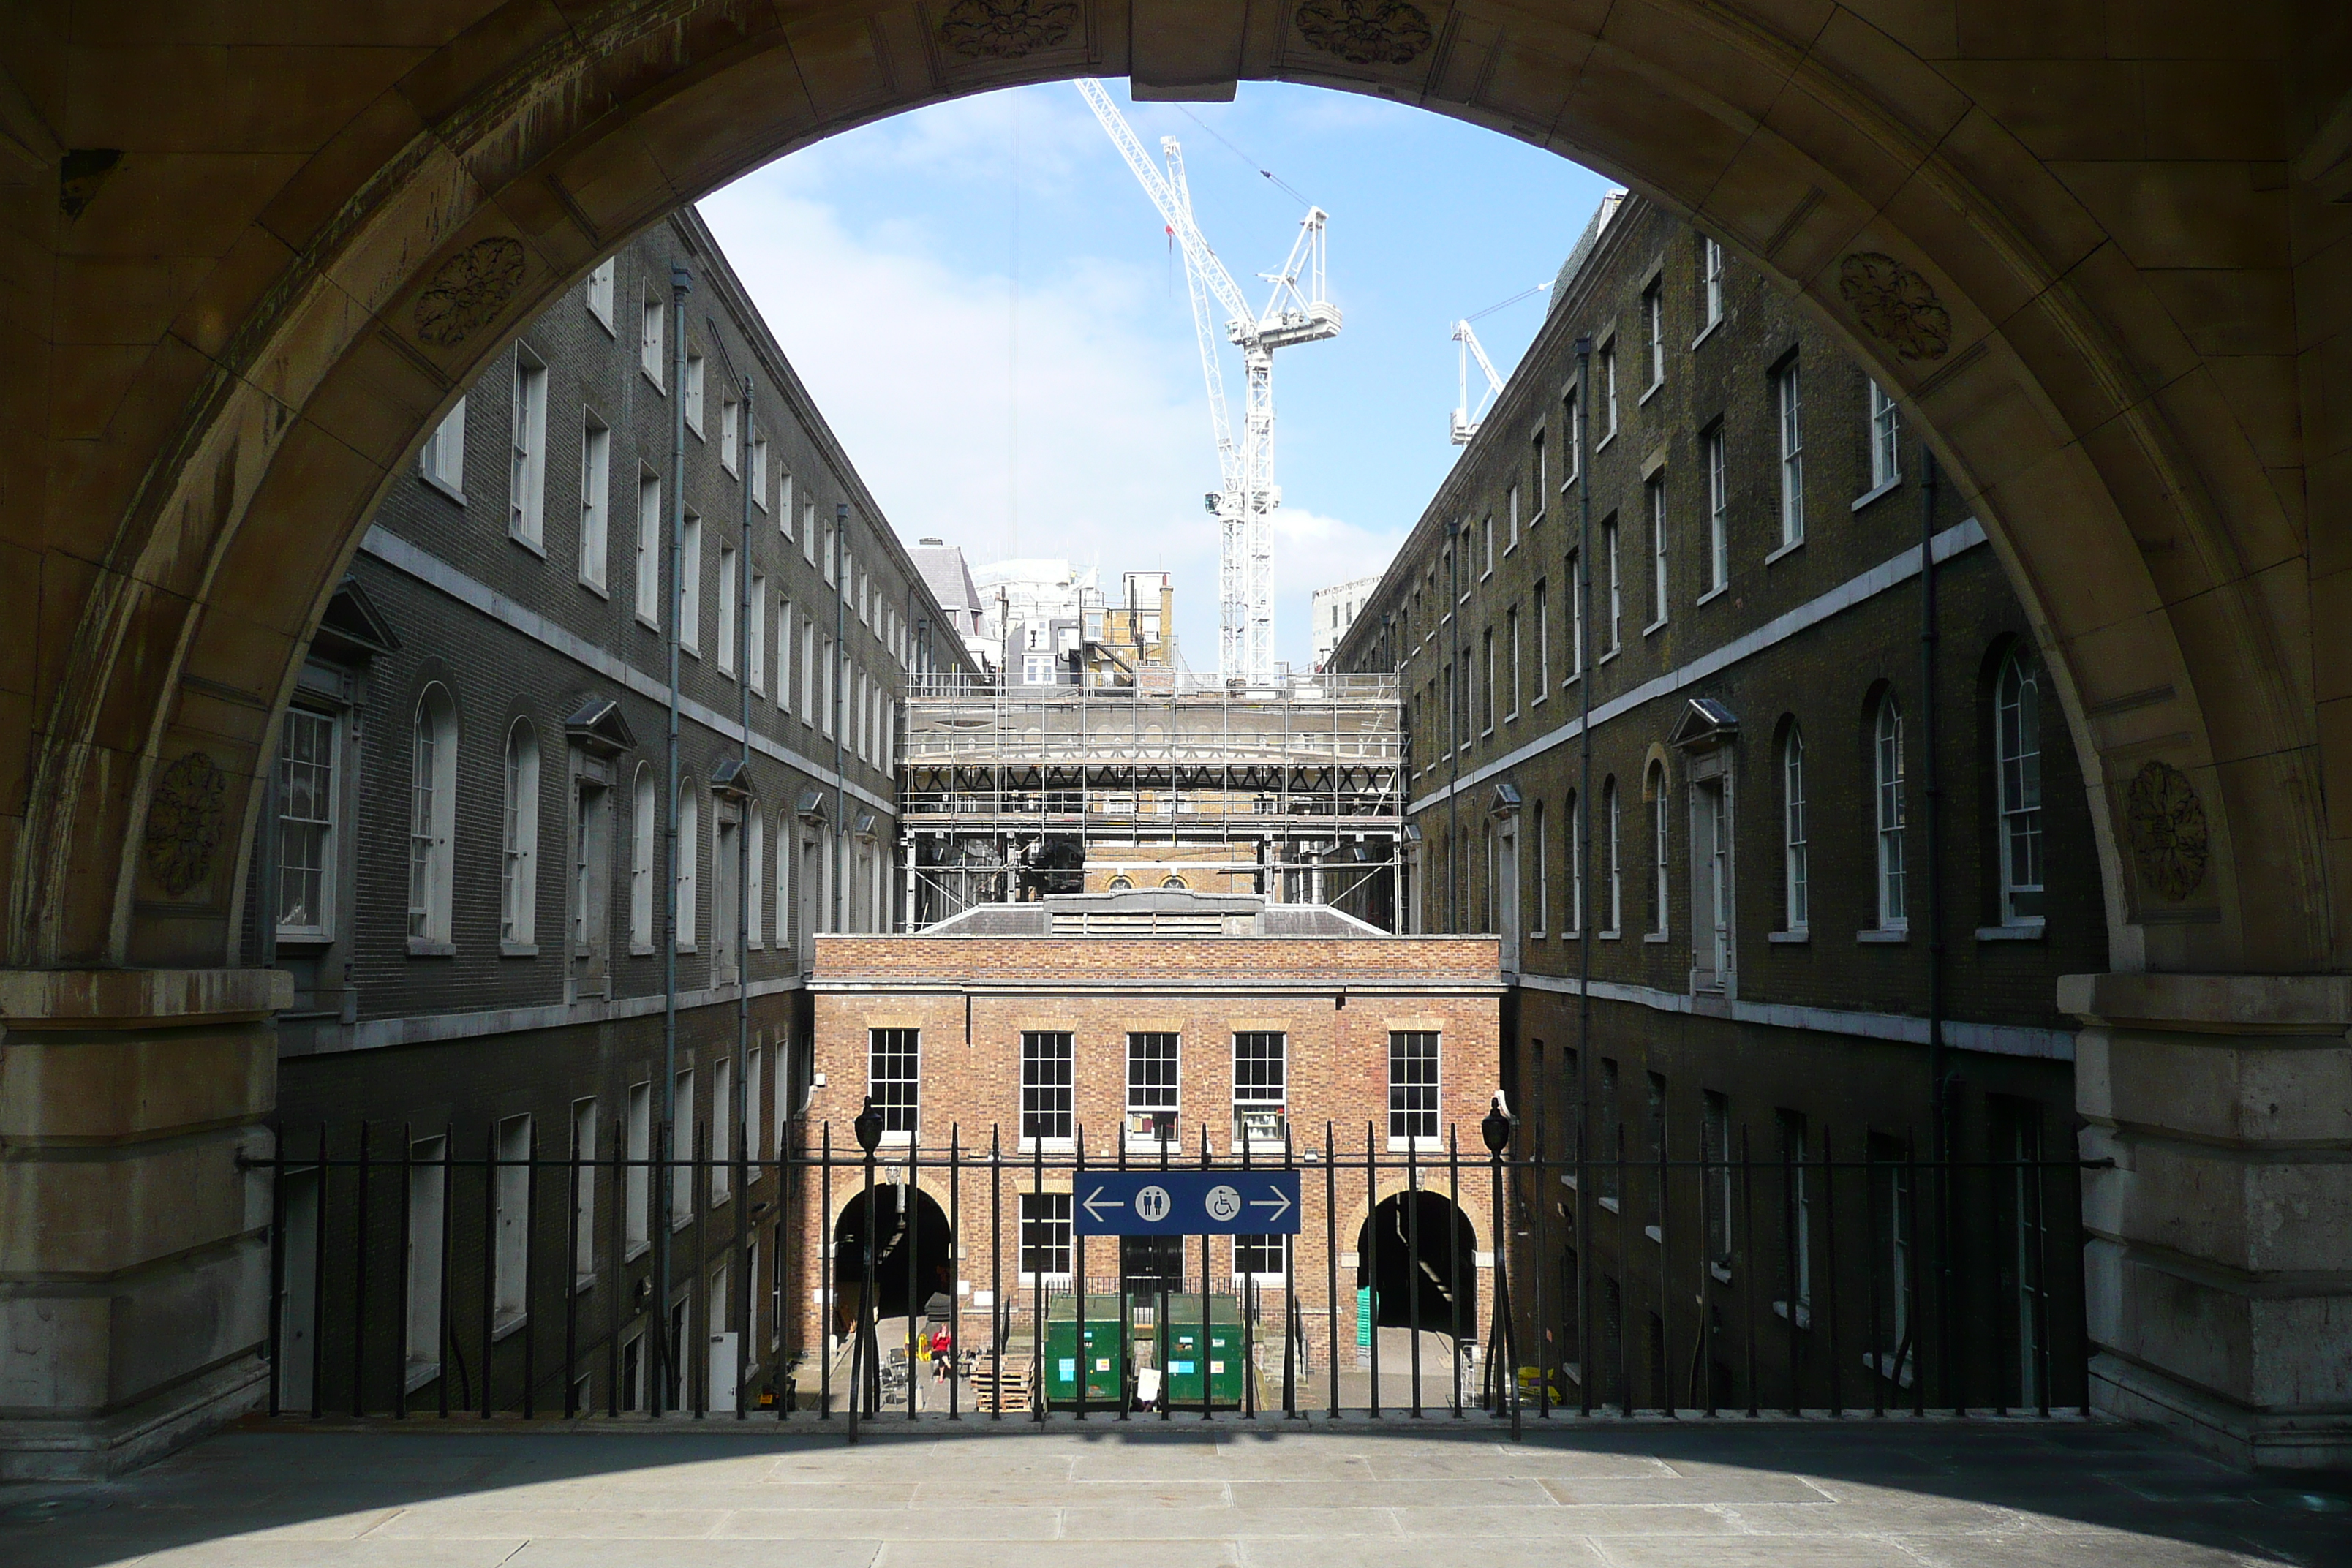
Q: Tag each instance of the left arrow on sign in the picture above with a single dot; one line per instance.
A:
(1094, 1204)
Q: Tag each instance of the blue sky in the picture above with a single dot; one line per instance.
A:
(895, 261)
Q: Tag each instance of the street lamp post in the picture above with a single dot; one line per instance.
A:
(1495, 1127)
(862, 1349)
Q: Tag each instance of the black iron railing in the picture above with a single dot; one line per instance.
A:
(411, 1279)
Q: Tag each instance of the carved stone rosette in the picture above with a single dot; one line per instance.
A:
(183, 822)
(1367, 32)
(468, 290)
(1006, 29)
(2164, 824)
(1898, 306)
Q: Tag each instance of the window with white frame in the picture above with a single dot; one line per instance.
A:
(428, 1198)
(583, 1191)
(1571, 919)
(1575, 651)
(1542, 606)
(1796, 911)
(305, 825)
(1045, 1238)
(527, 451)
(808, 534)
(1710, 274)
(1046, 1087)
(1616, 592)
(636, 1181)
(1654, 323)
(1795, 1150)
(1608, 392)
(784, 652)
(1885, 438)
(689, 886)
(723, 1129)
(1543, 870)
(433, 814)
(756, 625)
(518, 906)
(1261, 1088)
(1537, 475)
(758, 481)
(1152, 1088)
(1658, 844)
(510, 1222)
(649, 533)
(1488, 533)
(596, 499)
(694, 390)
(730, 433)
(755, 887)
(1654, 495)
(642, 834)
(1570, 433)
(442, 458)
(1511, 657)
(1512, 506)
(1412, 1085)
(2017, 731)
(689, 585)
(755, 1123)
(1261, 1258)
(1789, 399)
(1615, 890)
(893, 1070)
(651, 323)
(1719, 512)
(600, 292)
(1887, 754)
(678, 1134)
(726, 609)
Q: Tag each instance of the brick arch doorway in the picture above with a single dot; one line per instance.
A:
(1419, 1254)
(914, 1258)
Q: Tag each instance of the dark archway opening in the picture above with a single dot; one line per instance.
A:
(1419, 1253)
(914, 1258)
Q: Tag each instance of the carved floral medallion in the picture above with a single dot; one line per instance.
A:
(1899, 307)
(183, 822)
(1366, 32)
(2165, 823)
(468, 290)
(1006, 29)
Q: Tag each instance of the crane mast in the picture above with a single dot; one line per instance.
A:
(1296, 313)
(1467, 420)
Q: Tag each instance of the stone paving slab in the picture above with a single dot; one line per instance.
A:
(1352, 1494)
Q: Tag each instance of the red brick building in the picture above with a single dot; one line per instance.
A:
(1102, 1026)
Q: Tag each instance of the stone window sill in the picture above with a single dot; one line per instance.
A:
(1714, 593)
(506, 1324)
(518, 950)
(1604, 444)
(431, 947)
(2024, 931)
(1893, 937)
(452, 491)
(1655, 936)
(1654, 626)
(1866, 497)
(1707, 332)
(1794, 544)
(1648, 393)
(1797, 938)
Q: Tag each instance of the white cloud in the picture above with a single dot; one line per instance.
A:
(909, 350)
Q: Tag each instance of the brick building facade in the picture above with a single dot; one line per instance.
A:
(463, 859)
(1795, 856)
(1103, 1024)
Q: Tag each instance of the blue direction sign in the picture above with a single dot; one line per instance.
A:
(1186, 1202)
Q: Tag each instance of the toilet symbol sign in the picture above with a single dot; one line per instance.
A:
(1186, 1202)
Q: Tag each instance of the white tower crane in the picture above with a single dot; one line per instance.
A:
(1296, 313)
(1466, 419)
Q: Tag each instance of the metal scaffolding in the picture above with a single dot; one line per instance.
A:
(1290, 788)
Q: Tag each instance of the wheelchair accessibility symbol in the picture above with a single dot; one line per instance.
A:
(1223, 1202)
(1152, 1203)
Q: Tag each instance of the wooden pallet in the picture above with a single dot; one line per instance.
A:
(1003, 1383)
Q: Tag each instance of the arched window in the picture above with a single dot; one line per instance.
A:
(432, 814)
(755, 887)
(1887, 754)
(1121, 884)
(1177, 882)
(1797, 908)
(1657, 793)
(689, 864)
(2017, 731)
(641, 859)
(1543, 870)
(1615, 892)
(518, 907)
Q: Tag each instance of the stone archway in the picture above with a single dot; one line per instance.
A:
(268, 269)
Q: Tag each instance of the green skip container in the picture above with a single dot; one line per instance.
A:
(1223, 1359)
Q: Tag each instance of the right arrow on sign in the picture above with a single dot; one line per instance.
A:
(1279, 1203)
(1094, 1205)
